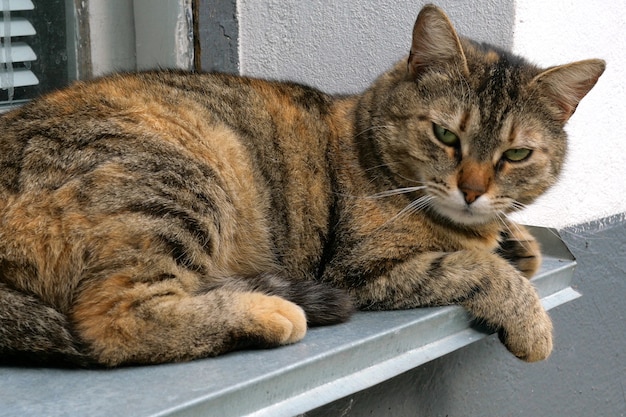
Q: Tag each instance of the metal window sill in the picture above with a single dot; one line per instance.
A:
(330, 363)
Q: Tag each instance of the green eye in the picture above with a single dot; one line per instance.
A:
(517, 155)
(445, 136)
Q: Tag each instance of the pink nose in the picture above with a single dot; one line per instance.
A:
(471, 195)
(474, 179)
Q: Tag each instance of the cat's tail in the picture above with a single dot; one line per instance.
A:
(322, 304)
(33, 333)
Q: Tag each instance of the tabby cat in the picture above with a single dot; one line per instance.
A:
(166, 216)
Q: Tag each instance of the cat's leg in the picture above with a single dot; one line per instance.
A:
(485, 284)
(125, 322)
(521, 249)
(47, 338)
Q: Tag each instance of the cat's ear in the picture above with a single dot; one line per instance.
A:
(566, 85)
(435, 42)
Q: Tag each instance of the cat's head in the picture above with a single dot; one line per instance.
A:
(478, 128)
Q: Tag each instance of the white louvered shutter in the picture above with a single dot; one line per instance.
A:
(15, 53)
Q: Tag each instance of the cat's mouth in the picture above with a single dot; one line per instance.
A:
(455, 208)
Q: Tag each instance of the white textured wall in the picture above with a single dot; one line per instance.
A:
(560, 31)
(342, 46)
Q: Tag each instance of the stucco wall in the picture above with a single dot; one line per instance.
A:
(342, 46)
(555, 32)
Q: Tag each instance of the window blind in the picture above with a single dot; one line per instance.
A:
(15, 53)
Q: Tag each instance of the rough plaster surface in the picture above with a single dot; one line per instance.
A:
(558, 32)
(341, 47)
(585, 376)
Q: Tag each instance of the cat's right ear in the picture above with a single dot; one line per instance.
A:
(564, 86)
(435, 42)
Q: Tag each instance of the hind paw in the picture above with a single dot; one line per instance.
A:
(275, 320)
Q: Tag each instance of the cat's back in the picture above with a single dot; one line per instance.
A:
(197, 148)
(242, 103)
(178, 109)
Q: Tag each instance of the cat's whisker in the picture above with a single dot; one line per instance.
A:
(508, 225)
(517, 206)
(427, 202)
(413, 207)
(377, 167)
(390, 165)
(501, 216)
(387, 193)
(396, 191)
(409, 179)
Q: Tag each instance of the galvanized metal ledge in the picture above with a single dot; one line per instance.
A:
(330, 363)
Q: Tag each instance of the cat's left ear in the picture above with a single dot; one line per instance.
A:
(564, 86)
(435, 42)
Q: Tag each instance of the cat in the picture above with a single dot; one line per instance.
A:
(166, 216)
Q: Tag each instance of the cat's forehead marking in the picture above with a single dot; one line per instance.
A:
(460, 118)
(465, 116)
(497, 95)
(484, 141)
(512, 136)
(529, 137)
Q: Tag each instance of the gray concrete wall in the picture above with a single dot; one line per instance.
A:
(218, 36)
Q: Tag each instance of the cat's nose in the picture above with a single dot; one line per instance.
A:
(474, 179)
(470, 194)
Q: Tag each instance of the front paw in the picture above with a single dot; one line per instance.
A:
(530, 340)
(521, 250)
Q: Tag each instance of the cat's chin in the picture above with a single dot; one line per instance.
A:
(465, 215)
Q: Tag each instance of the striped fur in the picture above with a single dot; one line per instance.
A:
(166, 216)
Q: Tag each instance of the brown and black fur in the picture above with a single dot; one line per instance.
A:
(166, 216)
